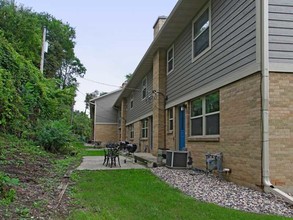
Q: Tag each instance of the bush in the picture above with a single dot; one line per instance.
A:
(7, 193)
(54, 136)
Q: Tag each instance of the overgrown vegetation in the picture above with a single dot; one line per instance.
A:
(36, 110)
(28, 98)
(54, 135)
(7, 192)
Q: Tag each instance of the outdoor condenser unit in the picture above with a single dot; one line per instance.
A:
(176, 159)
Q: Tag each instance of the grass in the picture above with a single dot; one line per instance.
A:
(93, 153)
(138, 194)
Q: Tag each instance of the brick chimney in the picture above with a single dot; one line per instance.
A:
(159, 24)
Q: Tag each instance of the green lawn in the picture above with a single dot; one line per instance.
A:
(138, 194)
(93, 153)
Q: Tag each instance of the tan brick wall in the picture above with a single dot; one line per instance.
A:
(240, 132)
(106, 133)
(281, 130)
(159, 84)
(141, 143)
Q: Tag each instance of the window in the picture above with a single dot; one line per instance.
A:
(205, 115)
(144, 88)
(144, 128)
(131, 131)
(170, 59)
(201, 33)
(131, 101)
(171, 119)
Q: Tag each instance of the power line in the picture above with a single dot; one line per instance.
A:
(106, 84)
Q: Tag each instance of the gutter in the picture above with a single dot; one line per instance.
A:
(268, 186)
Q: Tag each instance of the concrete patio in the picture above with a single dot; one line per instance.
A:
(96, 163)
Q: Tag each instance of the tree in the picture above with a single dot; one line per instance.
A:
(23, 28)
(90, 96)
(28, 97)
(128, 76)
(68, 72)
(81, 126)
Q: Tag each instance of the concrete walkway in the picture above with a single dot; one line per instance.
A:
(96, 163)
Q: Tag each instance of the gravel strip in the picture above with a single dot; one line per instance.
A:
(209, 188)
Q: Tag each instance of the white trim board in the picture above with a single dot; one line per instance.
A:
(140, 118)
(281, 67)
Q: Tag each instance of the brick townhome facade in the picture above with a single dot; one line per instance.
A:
(213, 73)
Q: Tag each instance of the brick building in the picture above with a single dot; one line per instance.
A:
(218, 77)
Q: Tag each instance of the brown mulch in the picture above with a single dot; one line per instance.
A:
(39, 189)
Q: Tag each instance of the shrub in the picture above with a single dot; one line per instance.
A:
(54, 136)
(7, 193)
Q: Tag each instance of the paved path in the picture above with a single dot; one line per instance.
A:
(96, 163)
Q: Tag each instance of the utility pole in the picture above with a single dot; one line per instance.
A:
(44, 46)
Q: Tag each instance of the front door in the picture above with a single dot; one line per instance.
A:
(181, 128)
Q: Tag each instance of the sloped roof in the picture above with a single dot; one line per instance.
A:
(106, 95)
(179, 18)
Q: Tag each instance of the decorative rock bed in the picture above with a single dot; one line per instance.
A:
(209, 188)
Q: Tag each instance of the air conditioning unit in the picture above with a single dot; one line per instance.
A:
(176, 159)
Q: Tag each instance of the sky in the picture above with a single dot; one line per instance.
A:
(111, 36)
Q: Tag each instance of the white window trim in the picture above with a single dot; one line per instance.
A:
(144, 123)
(173, 58)
(131, 101)
(203, 116)
(171, 120)
(131, 135)
(210, 32)
(144, 88)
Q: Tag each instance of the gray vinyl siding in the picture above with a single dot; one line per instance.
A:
(105, 113)
(281, 31)
(140, 106)
(233, 47)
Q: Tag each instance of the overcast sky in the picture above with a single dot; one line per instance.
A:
(111, 36)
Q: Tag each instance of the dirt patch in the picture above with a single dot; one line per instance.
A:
(38, 193)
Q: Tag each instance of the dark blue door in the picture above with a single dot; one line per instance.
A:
(181, 128)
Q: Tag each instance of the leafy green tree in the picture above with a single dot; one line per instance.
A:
(81, 126)
(34, 105)
(128, 76)
(23, 28)
(90, 96)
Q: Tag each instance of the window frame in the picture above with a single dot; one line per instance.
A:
(144, 128)
(131, 131)
(170, 120)
(207, 7)
(131, 101)
(171, 59)
(144, 88)
(204, 116)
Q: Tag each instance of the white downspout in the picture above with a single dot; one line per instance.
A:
(268, 186)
